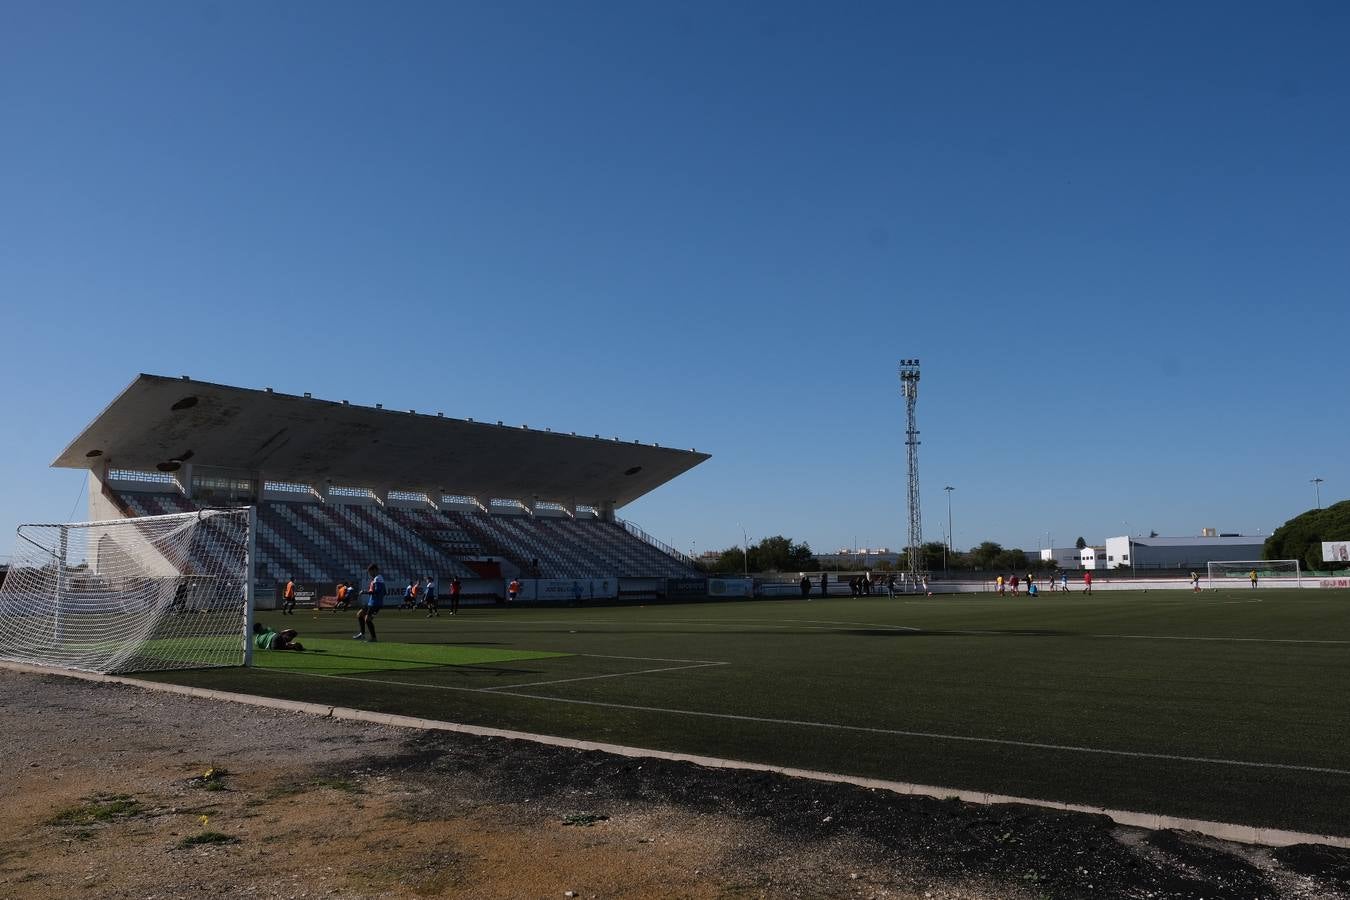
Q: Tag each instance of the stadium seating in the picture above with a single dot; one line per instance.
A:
(321, 542)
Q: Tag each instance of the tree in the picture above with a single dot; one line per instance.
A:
(773, 554)
(933, 555)
(983, 556)
(779, 554)
(1302, 536)
(731, 560)
(1080, 543)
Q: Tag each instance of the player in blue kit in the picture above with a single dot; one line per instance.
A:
(374, 602)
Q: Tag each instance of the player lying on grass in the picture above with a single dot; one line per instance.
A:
(265, 638)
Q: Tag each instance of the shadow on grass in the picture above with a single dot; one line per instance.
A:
(984, 632)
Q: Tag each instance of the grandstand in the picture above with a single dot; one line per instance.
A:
(338, 486)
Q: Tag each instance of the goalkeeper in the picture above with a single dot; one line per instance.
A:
(265, 638)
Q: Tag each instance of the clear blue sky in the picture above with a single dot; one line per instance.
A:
(1117, 235)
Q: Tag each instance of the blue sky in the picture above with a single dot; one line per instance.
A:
(1115, 234)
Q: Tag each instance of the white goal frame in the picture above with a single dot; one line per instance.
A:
(146, 593)
(1232, 572)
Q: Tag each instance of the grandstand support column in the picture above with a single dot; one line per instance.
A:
(185, 479)
(101, 506)
(606, 510)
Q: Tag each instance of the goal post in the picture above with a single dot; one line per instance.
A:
(131, 595)
(1271, 572)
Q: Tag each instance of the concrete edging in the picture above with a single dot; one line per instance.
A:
(1227, 831)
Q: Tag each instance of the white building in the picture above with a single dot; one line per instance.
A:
(1073, 558)
(1180, 552)
(1159, 552)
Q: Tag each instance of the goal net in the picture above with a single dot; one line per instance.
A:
(1269, 572)
(130, 595)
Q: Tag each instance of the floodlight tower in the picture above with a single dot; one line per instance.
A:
(909, 387)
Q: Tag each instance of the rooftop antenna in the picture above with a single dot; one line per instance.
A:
(909, 387)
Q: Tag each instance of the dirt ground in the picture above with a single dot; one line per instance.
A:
(119, 792)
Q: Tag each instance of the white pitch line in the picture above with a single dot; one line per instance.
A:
(1177, 637)
(706, 662)
(593, 677)
(865, 729)
(580, 625)
(822, 624)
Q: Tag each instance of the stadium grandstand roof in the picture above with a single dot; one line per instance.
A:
(159, 422)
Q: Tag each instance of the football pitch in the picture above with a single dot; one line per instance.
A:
(1229, 705)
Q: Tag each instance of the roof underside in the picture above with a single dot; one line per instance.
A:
(159, 421)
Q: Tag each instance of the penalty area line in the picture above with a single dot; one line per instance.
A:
(701, 665)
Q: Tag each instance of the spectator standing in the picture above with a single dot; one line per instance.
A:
(806, 587)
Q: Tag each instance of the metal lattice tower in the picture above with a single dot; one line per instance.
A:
(909, 386)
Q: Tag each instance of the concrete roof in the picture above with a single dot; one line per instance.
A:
(158, 421)
(1197, 541)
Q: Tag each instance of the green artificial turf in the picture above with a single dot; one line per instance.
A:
(1227, 705)
(347, 657)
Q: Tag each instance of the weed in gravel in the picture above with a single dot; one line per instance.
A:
(314, 784)
(338, 784)
(207, 837)
(212, 779)
(584, 819)
(98, 808)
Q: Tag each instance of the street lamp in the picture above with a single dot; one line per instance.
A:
(949, 490)
(745, 548)
(1317, 490)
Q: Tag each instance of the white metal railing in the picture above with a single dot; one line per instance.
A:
(661, 545)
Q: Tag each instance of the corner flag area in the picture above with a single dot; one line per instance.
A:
(1226, 706)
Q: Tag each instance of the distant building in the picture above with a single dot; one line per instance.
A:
(861, 558)
(1158, 552)
(1065, 557)
(1180, 552)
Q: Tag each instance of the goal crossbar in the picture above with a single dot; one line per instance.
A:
(139, 594)
(1230, 572)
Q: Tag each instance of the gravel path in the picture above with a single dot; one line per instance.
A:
(108, 794)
